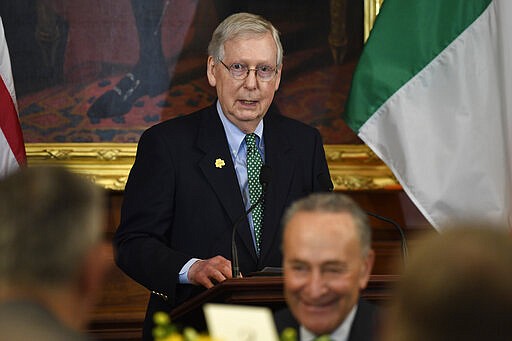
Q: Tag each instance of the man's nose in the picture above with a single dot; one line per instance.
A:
(316, 285)
(251, 81)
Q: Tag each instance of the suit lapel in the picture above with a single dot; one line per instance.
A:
(279, 158)
(218, 169)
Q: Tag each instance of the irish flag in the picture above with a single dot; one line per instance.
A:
(432, 97)
(12, 148)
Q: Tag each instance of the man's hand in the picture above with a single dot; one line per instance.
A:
(210, 271)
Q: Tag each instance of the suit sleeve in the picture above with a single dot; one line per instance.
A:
(141, 241)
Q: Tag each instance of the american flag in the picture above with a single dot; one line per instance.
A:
(12, 147)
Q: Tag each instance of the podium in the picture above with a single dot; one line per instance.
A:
(261, 291)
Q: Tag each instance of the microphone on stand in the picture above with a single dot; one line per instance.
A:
(265, 177)
(325, 182)
(403, 239)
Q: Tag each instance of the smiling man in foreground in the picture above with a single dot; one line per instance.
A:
(327, 260)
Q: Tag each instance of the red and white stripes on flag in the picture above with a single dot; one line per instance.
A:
(12, 148)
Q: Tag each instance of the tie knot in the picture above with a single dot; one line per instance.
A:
(250, 140)
(323, 338)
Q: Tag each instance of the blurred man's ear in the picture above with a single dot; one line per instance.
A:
(366, 269)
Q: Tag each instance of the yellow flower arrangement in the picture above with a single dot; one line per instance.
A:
(289, 334)
(164, 330)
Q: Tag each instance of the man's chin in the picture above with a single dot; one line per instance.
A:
(317, 320)
(244, 119)
(248, 115)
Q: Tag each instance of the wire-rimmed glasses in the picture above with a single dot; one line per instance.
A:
(264, 73)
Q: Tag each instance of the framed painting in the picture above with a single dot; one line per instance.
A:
(92, 75)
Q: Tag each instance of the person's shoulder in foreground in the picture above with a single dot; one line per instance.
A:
(366, 325)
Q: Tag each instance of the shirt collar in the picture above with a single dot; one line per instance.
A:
(339, 334)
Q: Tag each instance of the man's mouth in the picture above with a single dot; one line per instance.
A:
(248, 102)
(318, 305)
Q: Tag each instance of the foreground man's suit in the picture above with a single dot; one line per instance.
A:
(363, 328)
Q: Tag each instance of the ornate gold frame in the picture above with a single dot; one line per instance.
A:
(352, 167)
(107, 164)
(371, 9)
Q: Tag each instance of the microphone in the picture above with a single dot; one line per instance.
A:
(325, 182)
(265, 177)
(403, 239)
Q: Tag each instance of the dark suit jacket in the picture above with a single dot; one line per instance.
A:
(178, 204)
(364, 327)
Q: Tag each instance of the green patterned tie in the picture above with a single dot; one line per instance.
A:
(254, 163)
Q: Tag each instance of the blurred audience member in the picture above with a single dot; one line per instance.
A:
(457, 286)
(52, 259)
(327, 261)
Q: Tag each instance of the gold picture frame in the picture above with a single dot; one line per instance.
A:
(352, 167)
(371, 10)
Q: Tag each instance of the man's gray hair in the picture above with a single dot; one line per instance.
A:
(49, 219)
(242, 24)
(333, 203)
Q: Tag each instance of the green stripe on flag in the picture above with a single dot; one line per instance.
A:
(406, 36)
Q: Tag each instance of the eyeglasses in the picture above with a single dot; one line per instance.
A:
(239, 71)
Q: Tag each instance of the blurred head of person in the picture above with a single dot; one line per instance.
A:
(327, 259)
(51, 248)
(457, 286)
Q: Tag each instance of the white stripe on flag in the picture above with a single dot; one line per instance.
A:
(8, 162)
